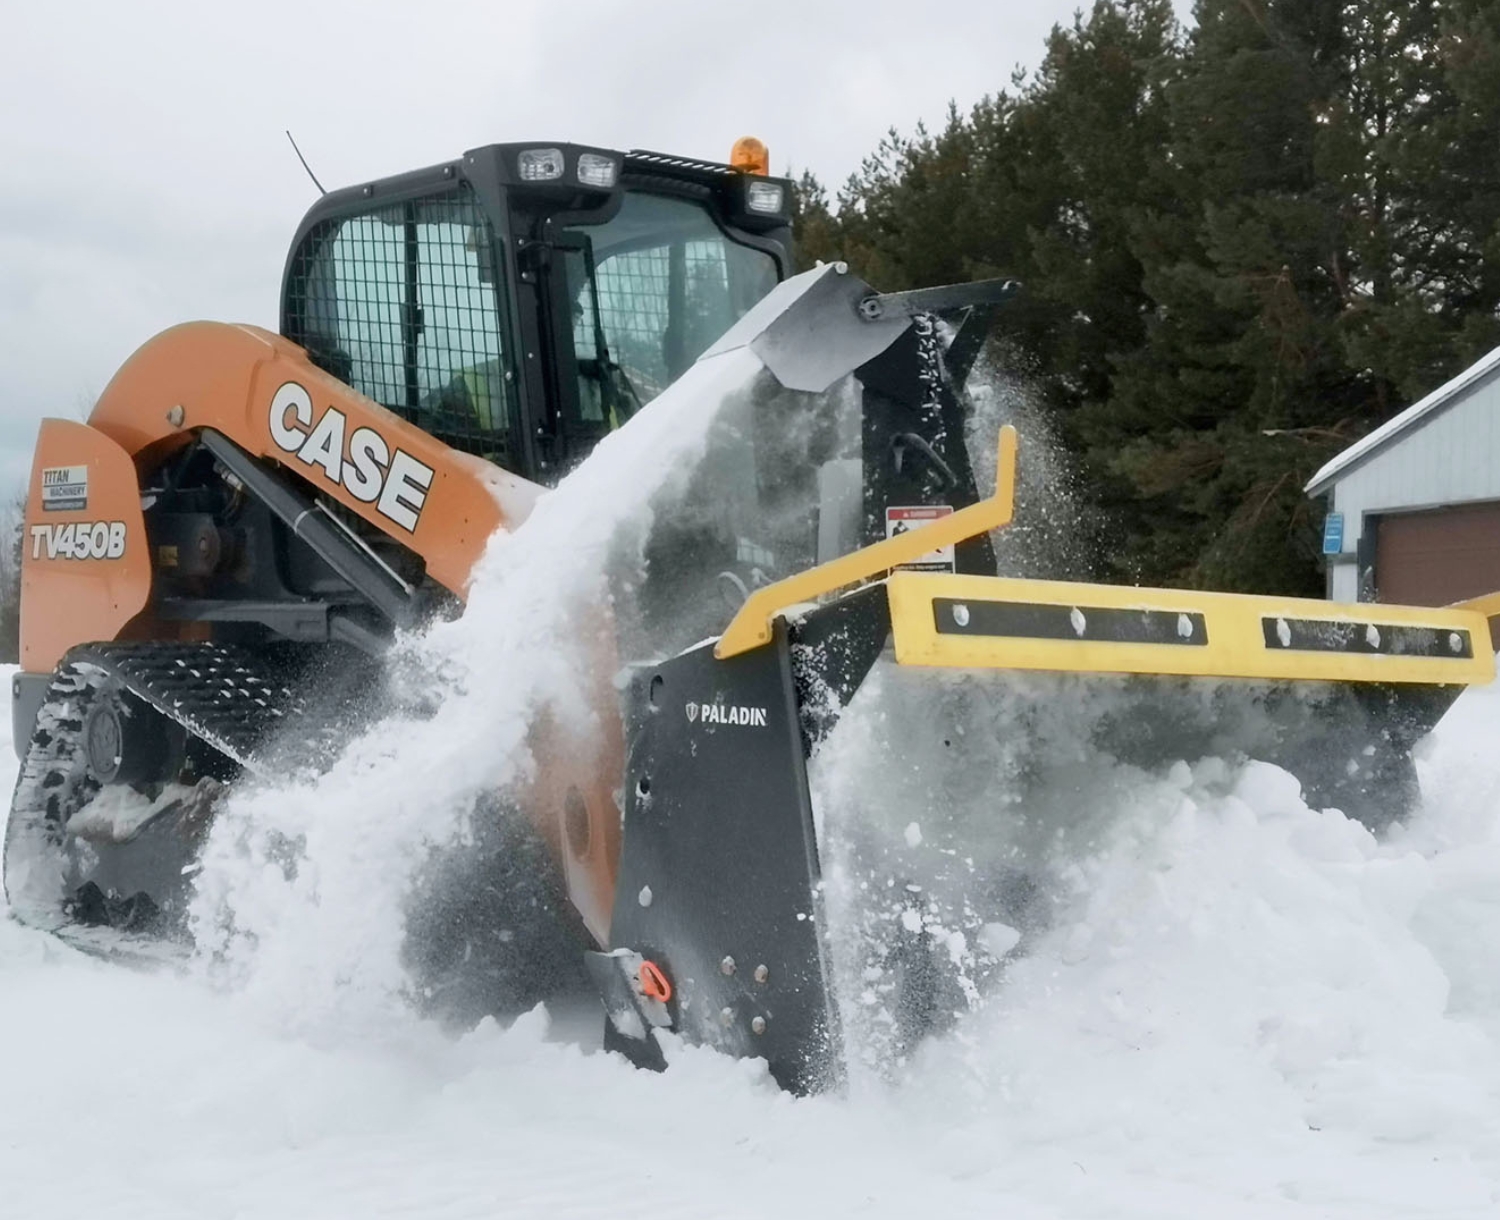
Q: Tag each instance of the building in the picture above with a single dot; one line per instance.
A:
(1414, 507)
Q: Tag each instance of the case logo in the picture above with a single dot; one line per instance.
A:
(78, 540)
(396, 483)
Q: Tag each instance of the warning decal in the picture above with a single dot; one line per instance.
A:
(899, 520)
(65, 488)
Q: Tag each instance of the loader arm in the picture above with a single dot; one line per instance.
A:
(264, 394)
(294, 441)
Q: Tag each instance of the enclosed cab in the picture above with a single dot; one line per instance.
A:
(520, 301)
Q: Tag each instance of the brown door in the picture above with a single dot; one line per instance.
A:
(1440, 556)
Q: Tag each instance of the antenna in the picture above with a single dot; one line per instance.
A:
(306, 166)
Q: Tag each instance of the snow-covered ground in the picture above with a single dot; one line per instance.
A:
(1254, 1010)
(1237, 1007)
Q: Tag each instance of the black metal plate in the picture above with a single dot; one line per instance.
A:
(1040, 621)
(719, 862)
(1378, 639)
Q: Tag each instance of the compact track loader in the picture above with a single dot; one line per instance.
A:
(217, 562)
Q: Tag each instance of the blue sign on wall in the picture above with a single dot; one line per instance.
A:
(1333, 533)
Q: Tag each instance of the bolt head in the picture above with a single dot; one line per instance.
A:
(757, 1025)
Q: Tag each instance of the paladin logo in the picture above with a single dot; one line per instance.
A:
(727, 713)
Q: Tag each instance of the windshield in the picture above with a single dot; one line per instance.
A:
(667, 283)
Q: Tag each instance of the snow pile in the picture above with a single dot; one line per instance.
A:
(1230, 965)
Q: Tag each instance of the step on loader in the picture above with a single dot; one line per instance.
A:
(216, 564)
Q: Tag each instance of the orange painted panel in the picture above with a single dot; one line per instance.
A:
(262, 392)
(85, 564)
(572, 801)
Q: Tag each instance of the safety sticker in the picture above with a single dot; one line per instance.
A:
(65, 489)
(900, 520)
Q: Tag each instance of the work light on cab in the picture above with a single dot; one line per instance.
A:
(539, 164)
(597, 171)
(764, 197)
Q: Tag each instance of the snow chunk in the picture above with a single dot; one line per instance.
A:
(1269, 790)
(998, 939)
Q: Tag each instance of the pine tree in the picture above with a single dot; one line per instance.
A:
(1310, 277)
(1241, 250)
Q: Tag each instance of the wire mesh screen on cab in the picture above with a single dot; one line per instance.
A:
(400, 303)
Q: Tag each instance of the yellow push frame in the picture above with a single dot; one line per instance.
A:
(1224, 635)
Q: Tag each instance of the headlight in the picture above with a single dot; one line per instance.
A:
(764, 197)
(539, 164)
(597, 171)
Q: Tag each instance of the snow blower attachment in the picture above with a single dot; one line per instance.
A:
(719, 875)
(216, 563)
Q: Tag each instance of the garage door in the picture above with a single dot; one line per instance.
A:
(1438, 557)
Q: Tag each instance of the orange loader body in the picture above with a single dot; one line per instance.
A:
(88, 566)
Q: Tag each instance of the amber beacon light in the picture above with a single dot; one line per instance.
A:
(750, 156)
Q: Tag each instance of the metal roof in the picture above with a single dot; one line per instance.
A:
(1367, 446)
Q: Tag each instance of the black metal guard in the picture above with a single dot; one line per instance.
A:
(942, 299)
(718, 882)
(719, 876)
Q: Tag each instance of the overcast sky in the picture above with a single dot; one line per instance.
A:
(145, 179)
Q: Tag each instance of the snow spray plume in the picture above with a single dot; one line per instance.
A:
(1055, 536)
(320, 936)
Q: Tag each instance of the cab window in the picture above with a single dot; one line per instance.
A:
(400, 303)
(667, 283)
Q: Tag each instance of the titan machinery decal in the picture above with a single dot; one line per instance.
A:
(726, 713)
(397, 484)
(78, 540)
(65, 489)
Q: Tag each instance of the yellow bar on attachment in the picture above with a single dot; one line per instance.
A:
(751, 626)
(987, 622)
